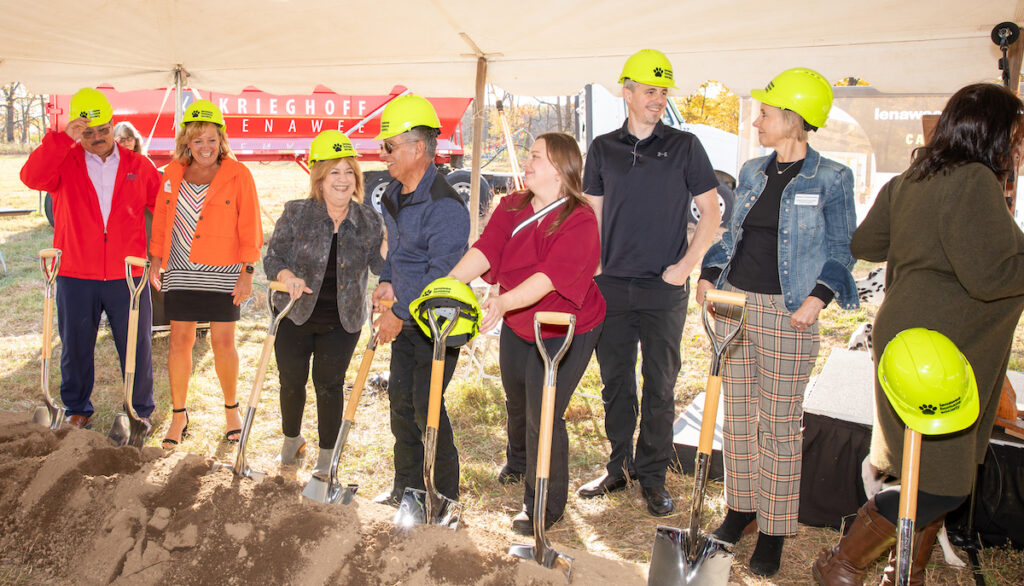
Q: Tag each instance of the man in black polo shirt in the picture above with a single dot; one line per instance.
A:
(640, 179)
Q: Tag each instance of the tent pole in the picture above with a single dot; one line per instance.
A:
(478, 133)
(178, 74)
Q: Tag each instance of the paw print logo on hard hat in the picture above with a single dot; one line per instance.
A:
(337, 147)
(658, 72)
(83, 114)
(195, 113)
(927, 408)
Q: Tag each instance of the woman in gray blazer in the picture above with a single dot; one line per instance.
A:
(323, 245)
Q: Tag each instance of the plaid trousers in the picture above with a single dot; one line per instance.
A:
(765, 371)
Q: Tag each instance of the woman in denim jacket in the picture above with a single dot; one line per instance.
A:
(323, 245)
(787, 247)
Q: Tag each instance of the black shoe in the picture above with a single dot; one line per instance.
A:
(509, 476)
(735, 526)
(605, 485)
(767, 555)
(389, 499)
(523, 524)
(659, 503)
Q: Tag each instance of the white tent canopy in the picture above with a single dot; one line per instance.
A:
(533, 47)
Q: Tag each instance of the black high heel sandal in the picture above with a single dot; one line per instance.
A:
(233, 435)
(169, 443)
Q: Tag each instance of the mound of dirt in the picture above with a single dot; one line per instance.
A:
(73, 509)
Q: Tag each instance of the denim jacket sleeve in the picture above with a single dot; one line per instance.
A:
(840, 222)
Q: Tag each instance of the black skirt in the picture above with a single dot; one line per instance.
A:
(191, 305)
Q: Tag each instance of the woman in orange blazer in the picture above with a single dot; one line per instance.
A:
(207, 236)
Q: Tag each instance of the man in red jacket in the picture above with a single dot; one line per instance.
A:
(100, 193)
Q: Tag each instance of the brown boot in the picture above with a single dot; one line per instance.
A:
(924, 540)
(845, 564)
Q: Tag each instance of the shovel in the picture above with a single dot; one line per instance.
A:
(50, 415)
(129, 428)
(329, 490)
(241, 468)
(422, 507)
(691, 556)
(542, 552)
(908, 505)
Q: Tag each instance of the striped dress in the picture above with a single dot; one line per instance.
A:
(182, 274)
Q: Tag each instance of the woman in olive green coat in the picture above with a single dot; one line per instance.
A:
(955, 265)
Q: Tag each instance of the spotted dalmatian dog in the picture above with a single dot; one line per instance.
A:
(870, 289)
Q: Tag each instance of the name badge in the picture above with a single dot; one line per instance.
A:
(806, 199)
(167, 187)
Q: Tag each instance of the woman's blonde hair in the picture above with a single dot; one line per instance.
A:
(183, 154)
(320, 169)
(797, 128)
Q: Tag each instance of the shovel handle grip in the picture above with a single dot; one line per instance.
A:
(387, 302)
(135, 261)
(909, 474)
(727, 297)
(49, 252)
(707, 423)
(277, 286)
(555, 318)
(434, 403)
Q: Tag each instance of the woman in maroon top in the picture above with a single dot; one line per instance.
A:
(542, 248)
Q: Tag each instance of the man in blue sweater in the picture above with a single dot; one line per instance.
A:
(428, 231)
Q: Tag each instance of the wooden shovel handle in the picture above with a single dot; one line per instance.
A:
(712, 392)
(49, 252)
(277, 286)
(434, 403)
(547, 424)
(135, 261)
(555, 318)
(909, 474)
(727, 297)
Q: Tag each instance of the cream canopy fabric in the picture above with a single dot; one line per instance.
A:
(533, 47)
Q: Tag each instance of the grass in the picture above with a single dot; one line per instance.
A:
(616, 526)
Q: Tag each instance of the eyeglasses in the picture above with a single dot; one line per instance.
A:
(97, 131)
(124, 139)
(389, 147)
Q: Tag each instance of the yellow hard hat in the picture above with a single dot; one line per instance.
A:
(802, 90)
(202, 111)
(451, 299)
(928, 382)
(650, 67)
(404, 113)
(92, 105)
(331, 144)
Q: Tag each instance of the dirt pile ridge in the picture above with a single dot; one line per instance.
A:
(73, 509)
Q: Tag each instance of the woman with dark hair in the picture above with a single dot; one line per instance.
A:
(541, 246)
(207, 236)
(787, 248)
(955, 265)
(323, 245)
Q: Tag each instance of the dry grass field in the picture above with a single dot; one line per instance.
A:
(615, 526)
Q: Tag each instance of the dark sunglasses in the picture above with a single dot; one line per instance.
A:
(390, 147)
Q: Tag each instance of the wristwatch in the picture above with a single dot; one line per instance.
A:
(250, 269)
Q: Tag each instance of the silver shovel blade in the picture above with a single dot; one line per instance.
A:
(552, 559)
(413, 510)
(120, 430)
(51, 418)
(671, 566)
(244, 470)
(140, 430)
(321, 491)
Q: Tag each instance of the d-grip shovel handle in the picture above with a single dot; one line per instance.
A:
(268, 343)
(547, 409)
(364, 370)
(133, 315)
(437, 367)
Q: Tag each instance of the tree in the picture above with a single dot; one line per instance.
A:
(712, 104)
(9, 92)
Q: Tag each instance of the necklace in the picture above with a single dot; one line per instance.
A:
(779, 170)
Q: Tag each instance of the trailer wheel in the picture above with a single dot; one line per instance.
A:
(48, 208)
(726, 200)
(461, 180)
(375, 184)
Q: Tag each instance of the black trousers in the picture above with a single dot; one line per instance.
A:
(651, 312)
(331, 348)
(522, 375)
(409, 391)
